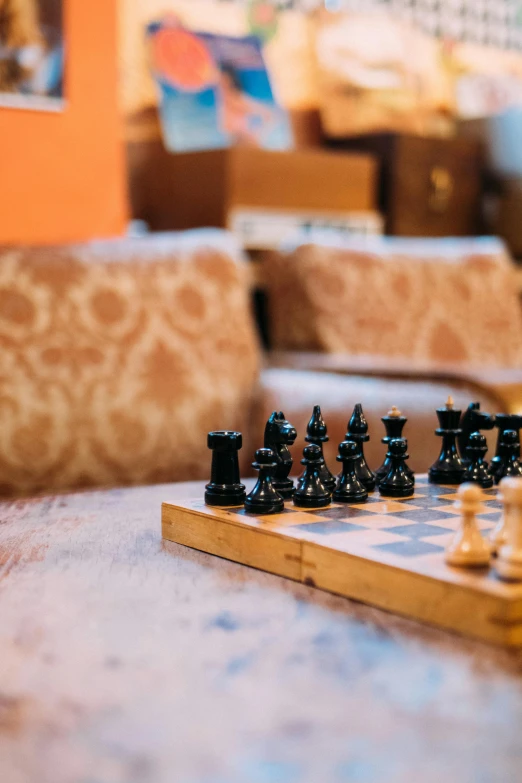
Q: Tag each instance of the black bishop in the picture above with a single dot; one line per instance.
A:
(358, 432)
(316, 433)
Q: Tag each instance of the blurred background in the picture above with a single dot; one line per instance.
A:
(212, 209)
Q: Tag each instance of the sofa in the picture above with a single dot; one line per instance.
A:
(405, 322)
(118, 356)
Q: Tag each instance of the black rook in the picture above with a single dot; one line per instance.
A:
(225, 488)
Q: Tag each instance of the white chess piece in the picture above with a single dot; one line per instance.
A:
(498, 536)
(468, 549)
(509, 561)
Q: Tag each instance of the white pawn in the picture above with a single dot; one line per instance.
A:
(498, 536)
(468, 549)
(509, 562)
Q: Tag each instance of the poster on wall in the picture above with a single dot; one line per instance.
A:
(214, 90)
(31, 54)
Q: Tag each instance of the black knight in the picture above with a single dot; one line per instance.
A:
(279, 435)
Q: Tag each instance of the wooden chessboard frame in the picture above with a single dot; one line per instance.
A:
(472, 602)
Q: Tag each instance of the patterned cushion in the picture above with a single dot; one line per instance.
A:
(117, 357)
(441, 300)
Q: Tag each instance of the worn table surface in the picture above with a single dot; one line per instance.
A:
(126, 660)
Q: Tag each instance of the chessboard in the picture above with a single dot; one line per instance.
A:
(387, 553)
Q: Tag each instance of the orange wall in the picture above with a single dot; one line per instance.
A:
(62, 176)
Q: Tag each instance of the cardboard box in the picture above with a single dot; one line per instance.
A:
(214, 188)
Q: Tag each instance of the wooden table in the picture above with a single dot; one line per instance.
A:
(127, 660)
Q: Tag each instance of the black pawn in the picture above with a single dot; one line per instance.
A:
(503, 422)
(477, 470)
(316, 433)
(448, 469)
(397, 483)
(311, 492)
(472, 420)
(264, 499)
(349, 488)
(511, 456)
(394, 424)
(225, 488)
(358, 432)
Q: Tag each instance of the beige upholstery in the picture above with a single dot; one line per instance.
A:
(118, 357)
(403, 322)
(420, 300)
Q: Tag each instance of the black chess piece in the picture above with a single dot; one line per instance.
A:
(225, 488)
(358, 432)
(448, 469)
(349, 488)
(504, 422)
(394, 424)
(279, 435)
(316, 432)
(472, 420)
(397, 483)
(477, 470)
(510, 465)
(311, 492)
(264, 499)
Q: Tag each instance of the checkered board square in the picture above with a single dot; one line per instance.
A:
(386, 552)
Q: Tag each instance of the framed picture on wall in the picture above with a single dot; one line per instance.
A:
(31, 54)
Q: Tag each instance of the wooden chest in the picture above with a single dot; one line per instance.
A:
(427, 186)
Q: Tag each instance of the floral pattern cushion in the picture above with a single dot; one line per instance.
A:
(117, 358)
(429, 300)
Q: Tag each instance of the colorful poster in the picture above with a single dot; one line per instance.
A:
(31, 54)
(214, 90)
